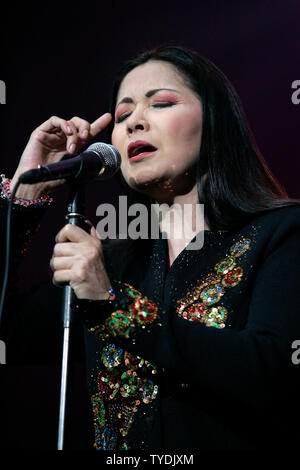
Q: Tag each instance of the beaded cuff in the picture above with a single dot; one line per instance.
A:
(25, 223)
(42, 201)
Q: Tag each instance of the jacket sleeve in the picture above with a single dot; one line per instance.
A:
(24, 224)
(253, 365)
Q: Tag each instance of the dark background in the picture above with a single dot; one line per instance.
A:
(60, 59)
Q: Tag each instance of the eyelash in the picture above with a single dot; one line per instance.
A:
(155, 105)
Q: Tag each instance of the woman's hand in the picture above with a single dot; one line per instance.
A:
(78, 260)
(49, 142)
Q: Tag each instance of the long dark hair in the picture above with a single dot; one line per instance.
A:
(239, 185)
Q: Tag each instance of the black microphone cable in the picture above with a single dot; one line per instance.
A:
(7, 250)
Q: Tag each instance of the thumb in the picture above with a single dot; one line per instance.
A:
(94, 233)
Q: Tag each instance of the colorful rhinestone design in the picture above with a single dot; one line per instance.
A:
(140, 311)
(197, 303)
(127, 382)
(123, 386)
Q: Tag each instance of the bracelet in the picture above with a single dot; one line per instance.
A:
(6, 194)
(112, 295)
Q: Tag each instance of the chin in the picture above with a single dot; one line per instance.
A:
(159, 189)
(144, 179)
(141, 184)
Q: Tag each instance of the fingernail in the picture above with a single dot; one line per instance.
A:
(85, 133)
(72, 148)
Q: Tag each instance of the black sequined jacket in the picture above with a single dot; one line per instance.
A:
(201, 356)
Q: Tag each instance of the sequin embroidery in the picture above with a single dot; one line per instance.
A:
(125, 384)
(210, 289)
(122, 388)
(139, 311)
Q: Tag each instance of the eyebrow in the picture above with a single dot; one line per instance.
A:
(148, 95)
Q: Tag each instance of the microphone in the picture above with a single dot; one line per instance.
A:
(98, 161)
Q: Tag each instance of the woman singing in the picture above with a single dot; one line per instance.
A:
(186, 348)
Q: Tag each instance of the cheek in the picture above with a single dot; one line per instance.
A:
(185, 129)
(114, 138)
(184, 139)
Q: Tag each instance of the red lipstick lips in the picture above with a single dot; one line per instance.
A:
(139, 149)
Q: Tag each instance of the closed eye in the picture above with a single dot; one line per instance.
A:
(163, 104)
(122, 118)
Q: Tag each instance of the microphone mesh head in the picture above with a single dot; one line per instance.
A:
(110, 157)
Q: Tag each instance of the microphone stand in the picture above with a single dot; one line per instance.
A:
(74, 216)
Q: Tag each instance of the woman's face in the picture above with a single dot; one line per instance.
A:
(158, 124)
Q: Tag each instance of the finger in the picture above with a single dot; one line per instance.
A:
(54, 123)
(71, 233)
(72, 141)
(94, 233)
(65, 249)
(100, 124)
(59, 285)
(62, 277)
(88, 226)
(61, 263)
(82, 126)
(70, 275)
(92, 229)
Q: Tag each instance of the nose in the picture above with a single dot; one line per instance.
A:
(136, 121)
